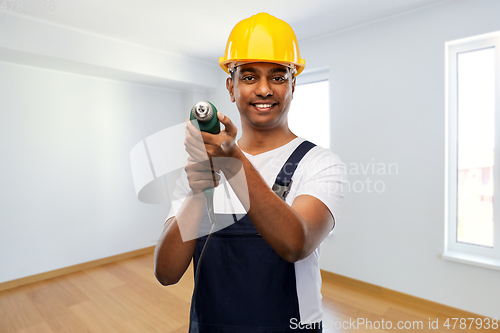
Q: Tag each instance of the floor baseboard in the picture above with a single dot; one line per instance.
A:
(398, 296)
(71, 269)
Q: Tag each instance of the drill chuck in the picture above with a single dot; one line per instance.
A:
(206, 115)
(202, 111)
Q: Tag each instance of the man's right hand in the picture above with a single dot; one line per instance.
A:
(201, 175)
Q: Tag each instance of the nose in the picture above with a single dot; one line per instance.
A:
(263, 89)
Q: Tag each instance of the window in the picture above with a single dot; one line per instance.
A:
(309, 115)
(472, 176)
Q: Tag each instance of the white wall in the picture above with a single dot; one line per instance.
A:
(387, 103)
(67, 194)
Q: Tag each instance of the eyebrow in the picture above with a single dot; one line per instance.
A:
(279, 70)
(248, 69)
(273, 71)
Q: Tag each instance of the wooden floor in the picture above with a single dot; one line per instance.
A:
(125, 297)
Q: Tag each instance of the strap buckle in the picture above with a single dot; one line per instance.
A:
(282, 190)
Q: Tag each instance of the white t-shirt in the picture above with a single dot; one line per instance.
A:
(320, 174)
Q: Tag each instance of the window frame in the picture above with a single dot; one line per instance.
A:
(313, 75)
(453, 250)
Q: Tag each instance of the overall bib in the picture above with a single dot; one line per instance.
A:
(244, 285)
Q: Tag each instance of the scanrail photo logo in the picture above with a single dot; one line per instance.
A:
(431, 324)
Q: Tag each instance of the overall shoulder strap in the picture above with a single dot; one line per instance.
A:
(283, 181)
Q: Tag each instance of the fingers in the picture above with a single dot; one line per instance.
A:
(199, 166)
(200, 138)
(200, 176)
(202, 145)
(195, 150)
(199, 185)
(194, 143)
(203, 137)
(209, 179)
(228, 124)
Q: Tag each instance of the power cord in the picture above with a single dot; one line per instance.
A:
(211, 216)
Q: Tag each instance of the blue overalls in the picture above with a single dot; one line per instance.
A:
(244, 285)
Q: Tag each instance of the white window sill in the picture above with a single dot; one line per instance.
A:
(471, 259)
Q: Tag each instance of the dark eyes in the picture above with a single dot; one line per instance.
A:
(274, 79)
(278, 79)
(248, 78)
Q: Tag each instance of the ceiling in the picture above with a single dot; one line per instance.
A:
(199, 28)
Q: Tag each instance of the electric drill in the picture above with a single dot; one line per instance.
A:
(206, 115)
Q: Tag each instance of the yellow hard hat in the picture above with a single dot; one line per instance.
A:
(262, 38)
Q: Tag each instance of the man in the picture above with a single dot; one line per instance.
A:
(260, 274)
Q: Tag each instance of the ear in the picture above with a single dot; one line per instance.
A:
(230, 88)
(293, 84)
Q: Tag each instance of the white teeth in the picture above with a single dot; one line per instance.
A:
(263, 106)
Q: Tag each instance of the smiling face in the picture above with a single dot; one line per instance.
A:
(263, 93)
